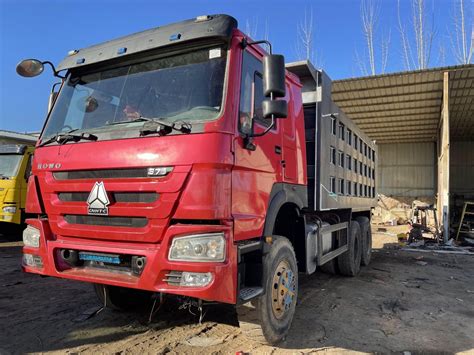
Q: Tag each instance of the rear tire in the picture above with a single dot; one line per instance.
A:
(349, 262)
(271, 319)
(121, 298)
(366, 233)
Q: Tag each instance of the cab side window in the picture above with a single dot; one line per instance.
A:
(251, 93)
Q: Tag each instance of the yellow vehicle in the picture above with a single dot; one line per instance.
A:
(15, 168)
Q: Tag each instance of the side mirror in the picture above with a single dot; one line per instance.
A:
(30, 68)
(275, 108)
(274, 86)
(274, 76)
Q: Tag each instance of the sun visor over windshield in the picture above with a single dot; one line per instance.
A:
(202, 27)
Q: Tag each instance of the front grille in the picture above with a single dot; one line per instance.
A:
(173, 278)
(135, 197)
(101, 174)
(134, 222)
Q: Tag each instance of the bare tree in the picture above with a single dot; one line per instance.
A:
(442, 55)
(369, 16)
(266, 33)
(463, 42)
(385, 45)
(252, 30)
(251, 27)
(406, 48)
(305, 37)
(361, 64)
(375, 58)
(423, 35)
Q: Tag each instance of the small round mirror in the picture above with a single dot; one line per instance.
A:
(29, 68)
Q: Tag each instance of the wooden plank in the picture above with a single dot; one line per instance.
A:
(443, 161)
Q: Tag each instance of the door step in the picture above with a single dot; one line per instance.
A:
(246, 294)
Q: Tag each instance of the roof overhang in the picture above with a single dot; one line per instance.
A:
(406, 106)
(19, 137)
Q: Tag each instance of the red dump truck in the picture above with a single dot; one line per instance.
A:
(187, 160)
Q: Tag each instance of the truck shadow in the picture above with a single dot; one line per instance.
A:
(394, 305)
(10, 232)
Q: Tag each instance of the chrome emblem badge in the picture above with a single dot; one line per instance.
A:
(98, 200)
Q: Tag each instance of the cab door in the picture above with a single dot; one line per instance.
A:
(23, 177)
(257, 169)
(289, 159)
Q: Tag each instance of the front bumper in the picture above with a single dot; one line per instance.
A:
(223, 287)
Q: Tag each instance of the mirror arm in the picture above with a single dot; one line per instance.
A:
(56, 74)
(54, 86)
(271, 124)
(266, 129)
(248, 141)
(246, 43)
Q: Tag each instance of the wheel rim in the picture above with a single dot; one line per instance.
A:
(283, 290)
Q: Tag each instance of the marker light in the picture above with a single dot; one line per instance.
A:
(195, 279)
(203, 18)
(175, 37)
(32, 260)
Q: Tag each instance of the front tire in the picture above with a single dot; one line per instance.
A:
(275, 309)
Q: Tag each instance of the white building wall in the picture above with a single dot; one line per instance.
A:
(406, 169)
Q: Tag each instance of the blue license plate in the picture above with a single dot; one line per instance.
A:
(103, 258)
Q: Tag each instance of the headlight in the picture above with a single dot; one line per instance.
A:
(31, 237)
(9, 209)
(199, 248)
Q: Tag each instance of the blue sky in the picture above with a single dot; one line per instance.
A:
(47, 30)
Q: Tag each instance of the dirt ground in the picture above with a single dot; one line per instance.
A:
(396, 304)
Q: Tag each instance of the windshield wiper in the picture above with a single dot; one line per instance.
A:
(62, 138)
(151, 125)
(157, 125)
(138, 119)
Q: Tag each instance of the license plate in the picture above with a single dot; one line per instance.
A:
(103, 258)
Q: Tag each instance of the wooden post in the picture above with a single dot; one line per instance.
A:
(443, 161)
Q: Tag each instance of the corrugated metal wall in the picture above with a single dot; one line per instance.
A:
(461, 174)
(406, 169)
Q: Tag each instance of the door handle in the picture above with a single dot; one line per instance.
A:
(277, 149)
(283, 163)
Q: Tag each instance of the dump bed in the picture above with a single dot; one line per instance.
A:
(341, 159)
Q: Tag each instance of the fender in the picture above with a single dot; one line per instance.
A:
(250, 275)
(284, 193)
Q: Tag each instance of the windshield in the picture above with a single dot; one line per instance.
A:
(9, 164)
(185, 87)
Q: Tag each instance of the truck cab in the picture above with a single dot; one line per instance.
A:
(15, 169)
(174, 161)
